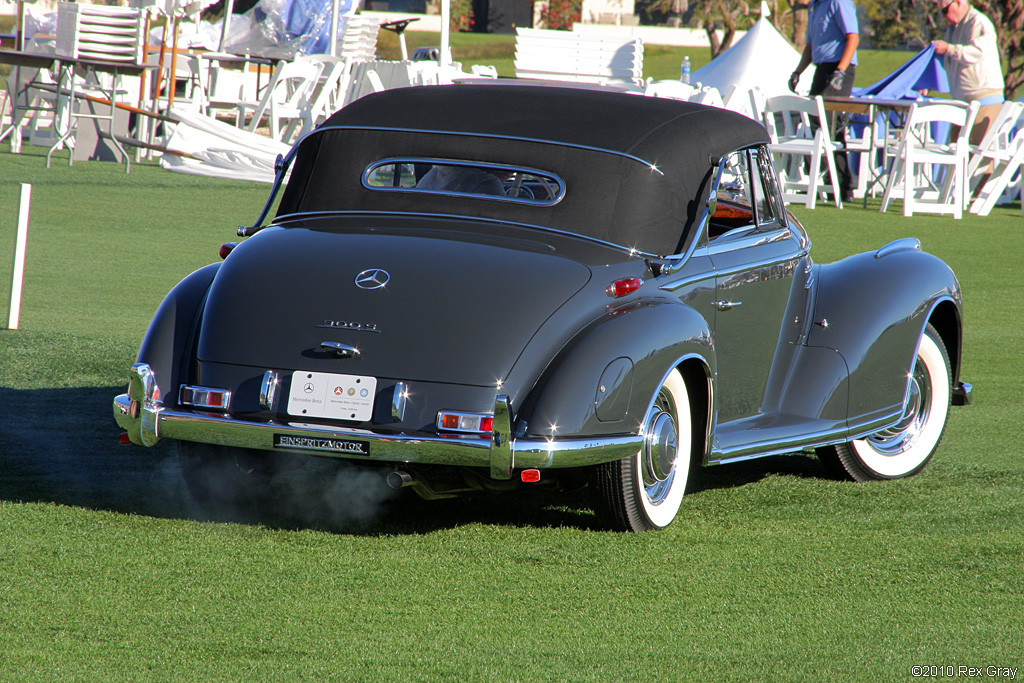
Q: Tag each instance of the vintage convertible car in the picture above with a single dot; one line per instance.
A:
(490, 287)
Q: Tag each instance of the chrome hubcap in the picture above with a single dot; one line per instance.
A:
(658, 455)
(900, 437)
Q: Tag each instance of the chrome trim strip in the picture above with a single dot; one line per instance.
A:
(462, 217)
(677, 284)
(905, 244)
(753, 239)
(491, 136)
(765, 448)
(744, 267)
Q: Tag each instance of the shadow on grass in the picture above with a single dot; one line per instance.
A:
(61, 446)
(749, 472)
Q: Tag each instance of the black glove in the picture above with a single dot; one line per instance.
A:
(836, 82)
(794, 78)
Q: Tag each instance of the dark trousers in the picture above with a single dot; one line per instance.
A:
(837, 120)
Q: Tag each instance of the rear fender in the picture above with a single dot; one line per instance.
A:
(872, 308)
(168, 339)
(603, 382)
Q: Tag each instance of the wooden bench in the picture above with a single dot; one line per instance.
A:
(564, 56)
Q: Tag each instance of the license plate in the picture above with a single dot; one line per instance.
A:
(338, 397)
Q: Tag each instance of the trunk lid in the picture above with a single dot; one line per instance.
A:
(455, 307)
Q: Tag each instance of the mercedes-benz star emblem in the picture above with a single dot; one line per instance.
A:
(374, 278)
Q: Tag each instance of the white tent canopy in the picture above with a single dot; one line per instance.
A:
(763, 58)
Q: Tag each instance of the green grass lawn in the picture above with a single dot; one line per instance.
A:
(771, 573)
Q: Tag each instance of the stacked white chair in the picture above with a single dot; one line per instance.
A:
(88, 36)
(562, 56)
(931, 175)
(996, 162)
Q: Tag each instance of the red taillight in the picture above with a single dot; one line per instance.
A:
(204, 397)
(465, 422)
(530, 476)
(624, 286)
(226, 249)
(124, 439)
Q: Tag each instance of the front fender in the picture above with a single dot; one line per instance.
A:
(872, 308)
(604, 380)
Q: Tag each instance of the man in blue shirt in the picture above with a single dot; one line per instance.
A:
(833, 34)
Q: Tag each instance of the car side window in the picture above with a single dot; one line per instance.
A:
(767, 199)
(735, 207)
(464, 178)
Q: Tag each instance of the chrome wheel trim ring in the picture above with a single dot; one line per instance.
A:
(660, 451)
(902, 436)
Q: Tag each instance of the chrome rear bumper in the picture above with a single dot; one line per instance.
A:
(141, 413)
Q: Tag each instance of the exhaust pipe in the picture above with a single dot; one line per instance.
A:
(399, 479)
(438, 485)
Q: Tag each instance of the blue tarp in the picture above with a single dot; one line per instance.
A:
(284, 28)
(311, 18)
(923, 71)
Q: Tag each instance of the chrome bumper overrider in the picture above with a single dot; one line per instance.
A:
(141, 413)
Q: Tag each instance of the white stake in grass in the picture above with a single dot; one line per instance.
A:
(19, 256)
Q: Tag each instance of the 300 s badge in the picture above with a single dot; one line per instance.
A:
(349, 325)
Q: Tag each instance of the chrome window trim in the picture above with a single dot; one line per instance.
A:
(490, 136)
(437, 161)
(753, 239)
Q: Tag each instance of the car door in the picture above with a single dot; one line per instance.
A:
(755, 264)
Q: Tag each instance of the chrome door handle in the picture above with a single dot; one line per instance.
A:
(725, 305)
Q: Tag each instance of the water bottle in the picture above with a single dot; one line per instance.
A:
(684, 70)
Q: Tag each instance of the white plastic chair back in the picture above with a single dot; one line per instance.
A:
(287, 96)
(800, 143)
(931, 175)
(996, 163)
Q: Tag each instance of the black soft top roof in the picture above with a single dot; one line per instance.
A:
(636, 168)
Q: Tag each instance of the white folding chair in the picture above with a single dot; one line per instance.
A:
(286, 97)
(187, 87)
(931, 175)
(995, 163)
(326, 96)
(799, 132)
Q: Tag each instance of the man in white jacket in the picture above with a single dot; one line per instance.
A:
(970, 54)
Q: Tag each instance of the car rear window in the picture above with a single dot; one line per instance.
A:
(465, 178)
